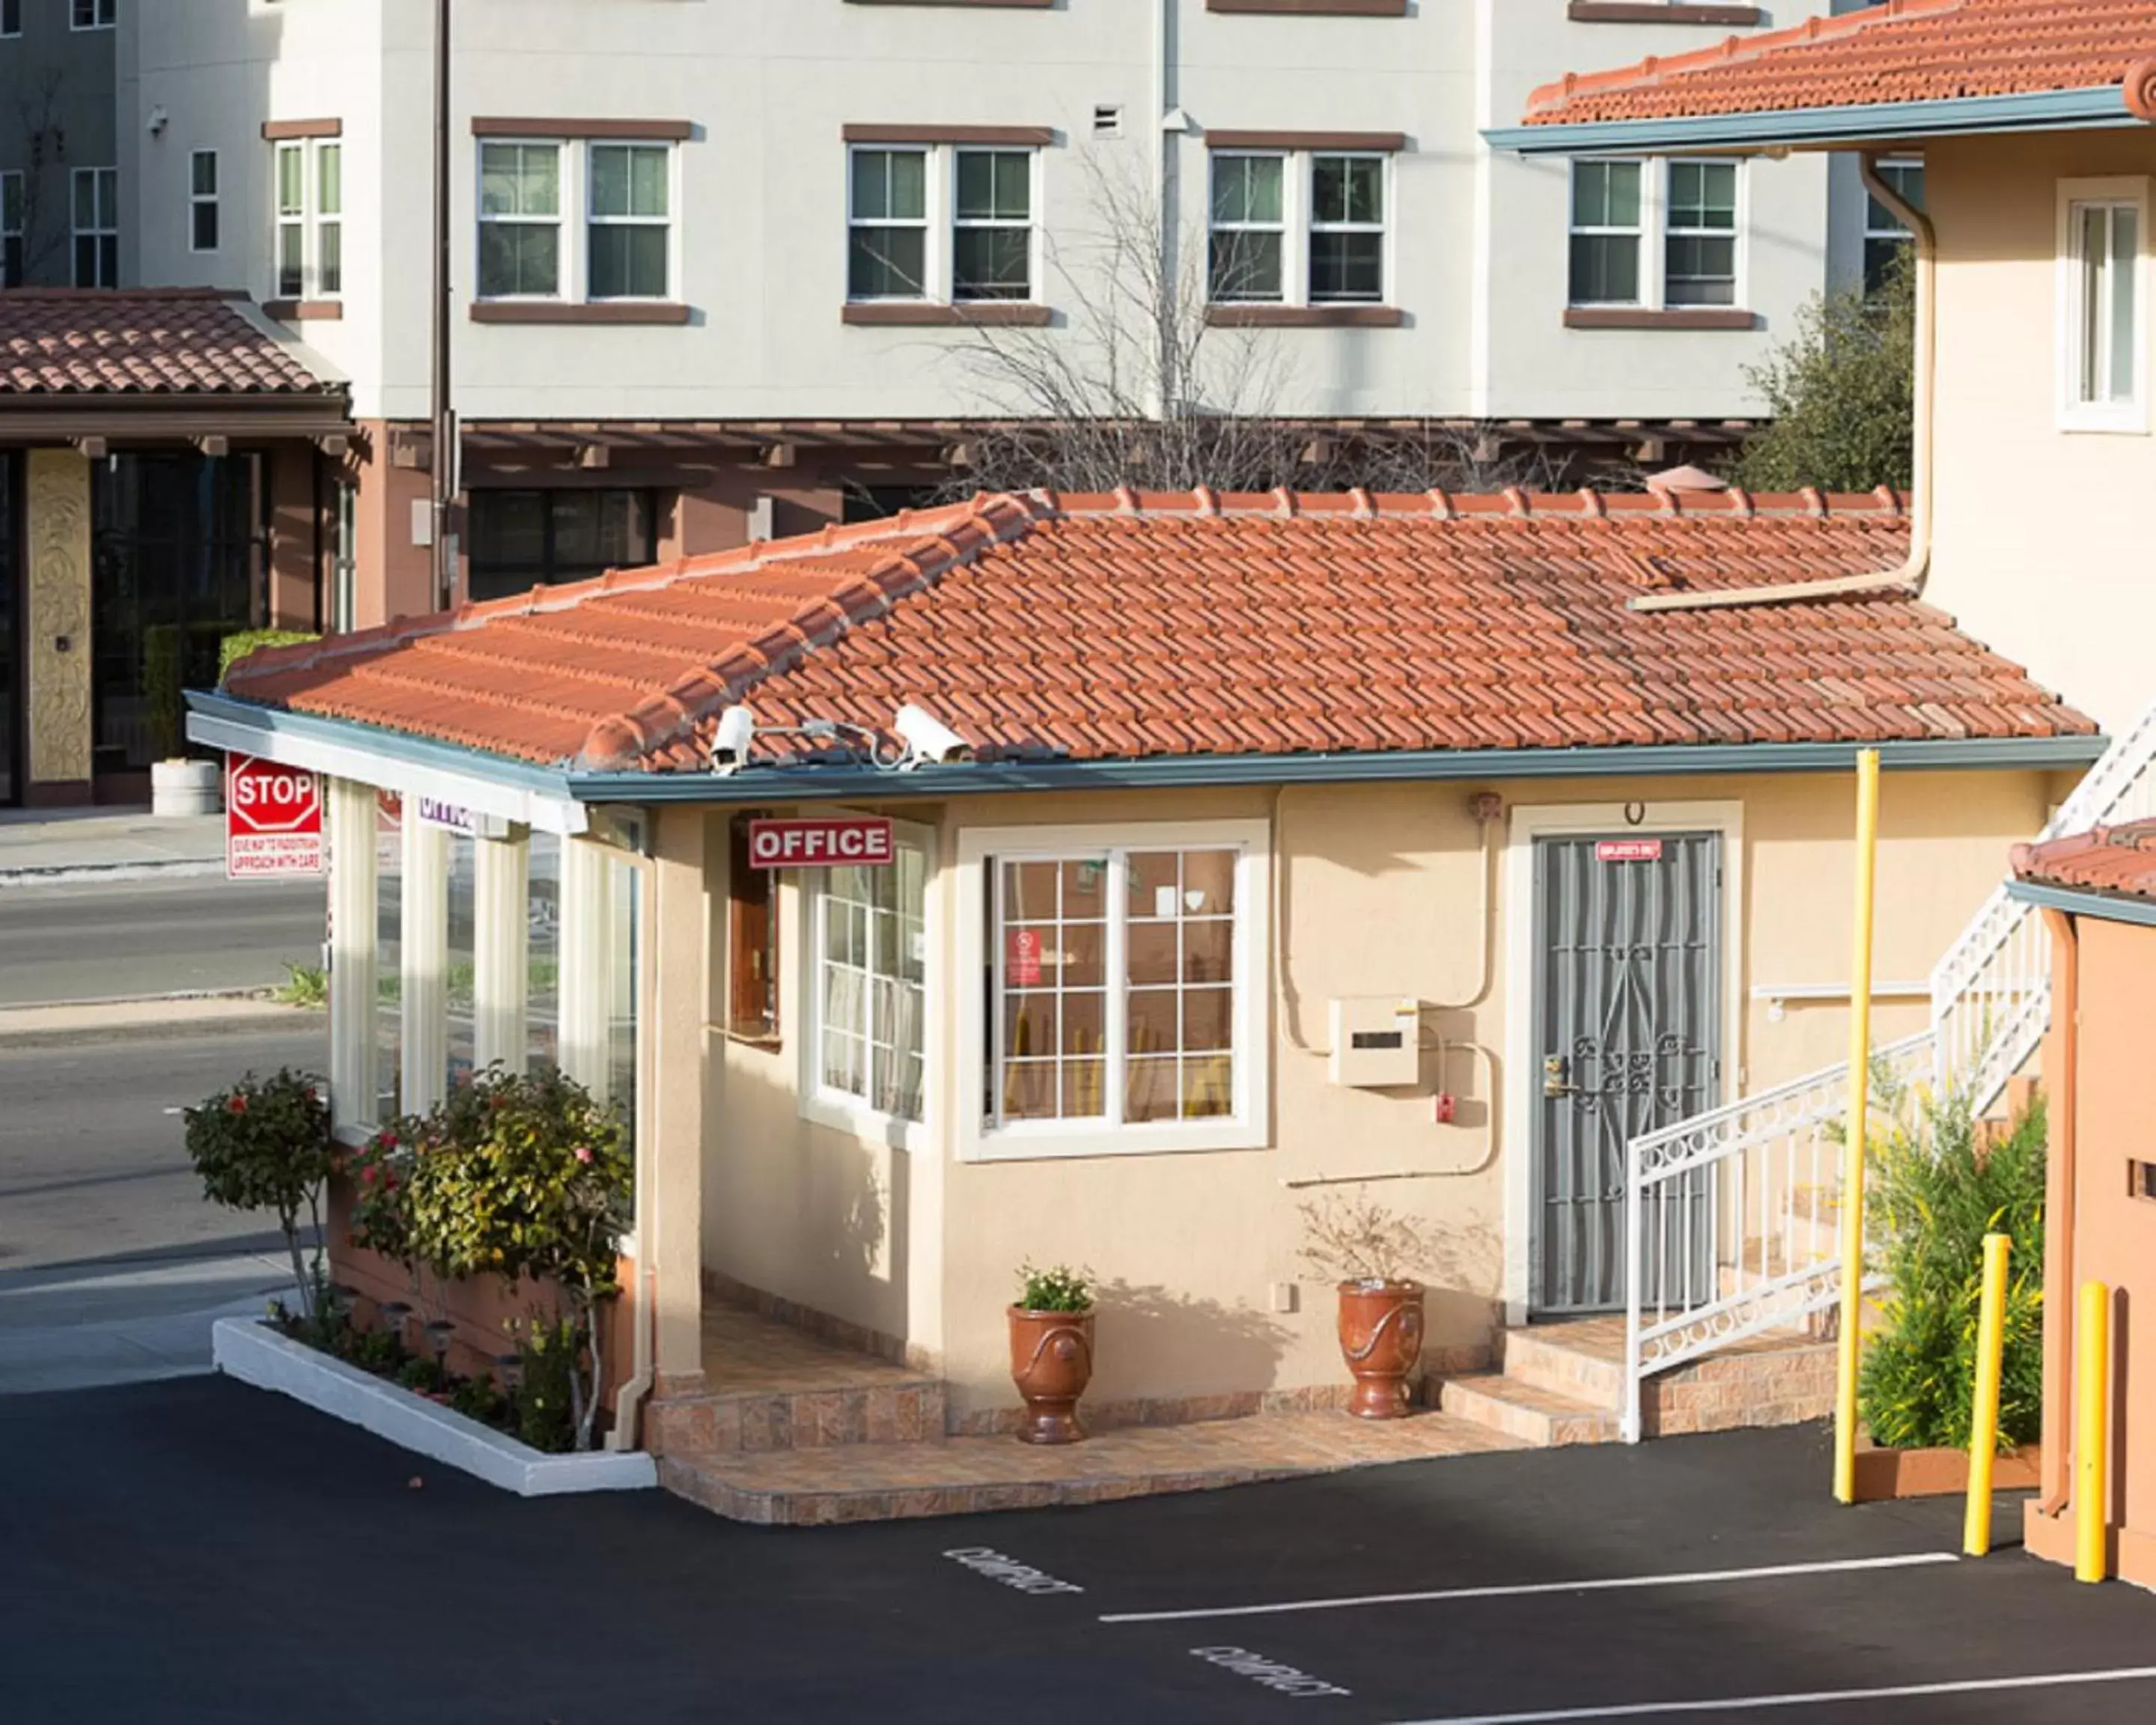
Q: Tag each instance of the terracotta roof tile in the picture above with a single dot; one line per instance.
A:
(2120, 860)
(1117, 627)
(1902, 51)
(141, 342)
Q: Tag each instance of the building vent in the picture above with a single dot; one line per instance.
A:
(1107, 120)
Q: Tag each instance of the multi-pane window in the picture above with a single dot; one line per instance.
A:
(519, 220)
(201, 201)
(1699, 241)
(1608, 211)
(630, 232)
(1247, 258)
(96, 227)
(871, 948)
(92, 14)
(12, 260)
(310, 219)
(2104, 242)
(992, 225)
(887, 225)
(329, 220)
(1347, 229)
(523, 539)
(1885, 238)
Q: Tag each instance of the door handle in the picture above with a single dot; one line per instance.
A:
(1553, 1078)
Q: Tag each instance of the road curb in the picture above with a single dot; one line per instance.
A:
(78, 1022)
(82, 873)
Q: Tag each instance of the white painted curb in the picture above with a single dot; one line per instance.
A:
(247, 1349)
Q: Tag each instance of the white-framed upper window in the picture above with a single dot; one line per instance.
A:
(1885, 238)
(95, 208)
(203, 234)
(945, 223)
(531, 247)
(1124, 1005)
(2103, 305)
(12, 260)
(310, 219)
(1656, 234)
(1299, 228)
(93, 15)
(866, 936)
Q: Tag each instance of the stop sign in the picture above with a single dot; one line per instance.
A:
(272, 819)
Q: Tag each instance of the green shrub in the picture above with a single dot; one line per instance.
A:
(1058, 1289)
(164, 688)
(264, 1145)
(1935, 1190)
(544, 1407)
(419, 1373)
(236, 647)
(305, 985)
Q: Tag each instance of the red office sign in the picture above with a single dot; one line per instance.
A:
(836, 841)
(272, 819)
(1628, 850)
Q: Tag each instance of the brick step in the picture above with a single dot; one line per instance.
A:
(1545, 1419)
(891, 1408)
(1545, 1356)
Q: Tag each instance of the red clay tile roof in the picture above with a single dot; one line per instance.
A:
(1903, 51)
(1121, 627)
(2114, 860)
(141, 340)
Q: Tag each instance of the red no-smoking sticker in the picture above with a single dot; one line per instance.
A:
(272, 819)
(1022, 965)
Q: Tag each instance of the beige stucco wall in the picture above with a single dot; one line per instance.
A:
(1380, 896)
(2043, 536)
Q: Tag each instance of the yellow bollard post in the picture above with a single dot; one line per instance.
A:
(1984, 1426)
(1853, 1147)
(2092, 1435)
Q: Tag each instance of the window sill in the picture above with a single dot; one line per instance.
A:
(765, 1044)
(1315, 8)
(856, 1119)
(1650, 12)
(1640, 317)
(573, 312)
(1305, 317)
(304, 310)
(2100, 422)
(996, 314)
(1096, 1140)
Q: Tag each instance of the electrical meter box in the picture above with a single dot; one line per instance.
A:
(1377, 1041)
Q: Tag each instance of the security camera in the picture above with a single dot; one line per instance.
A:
(729, 745)
(927, 737)
(159, 120)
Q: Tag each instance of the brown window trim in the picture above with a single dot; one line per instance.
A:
(578, 312)
(1646, 11)
(920, 314)
(1376, 142)
(1305, 317)
(1007, 5)
(304, 310)
(656, 131)
(1023, 136)
(1641, 317)
(751, 943)
(282, 132)
(1315, 8)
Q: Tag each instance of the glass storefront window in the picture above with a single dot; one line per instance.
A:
(461, 971)
(623, 959)
(388, 956)
(543, 963)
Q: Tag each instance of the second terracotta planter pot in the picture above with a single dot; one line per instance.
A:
(1051, 1363)
(1381, 1338)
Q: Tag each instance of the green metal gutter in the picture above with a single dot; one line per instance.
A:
(2109, 907)
(1799, 128)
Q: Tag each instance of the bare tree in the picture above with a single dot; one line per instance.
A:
(44, 153)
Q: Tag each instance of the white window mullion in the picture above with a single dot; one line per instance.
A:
(585, 997)
(499, 935)
(352, 990)
(424, 948)
(1115, 970)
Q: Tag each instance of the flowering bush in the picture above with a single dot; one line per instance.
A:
(264, 1145)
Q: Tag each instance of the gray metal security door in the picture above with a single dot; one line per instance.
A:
(1628, 1016)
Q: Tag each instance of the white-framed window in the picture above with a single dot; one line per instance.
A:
(93, 15)
(96, 227)
(1885, 238)
(201, 201)
(2103, 305)
(947, 223)
(866, 936)
(533, 244)
(1123, 1004)
(1299, 228)
(310, 219)
(1659, 234)
(12, 260)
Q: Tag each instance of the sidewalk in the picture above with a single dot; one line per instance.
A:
(47, 847)
(75, 1023)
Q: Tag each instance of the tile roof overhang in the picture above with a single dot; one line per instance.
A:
(1185, 640)
(2108, 871)
(1903, 70)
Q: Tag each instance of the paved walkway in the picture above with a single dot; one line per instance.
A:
(43, 846)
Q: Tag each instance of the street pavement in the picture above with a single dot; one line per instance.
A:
(111, 1265)
(198, 1551)
(130, 939)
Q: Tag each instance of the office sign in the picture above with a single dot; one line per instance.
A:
(831, 841)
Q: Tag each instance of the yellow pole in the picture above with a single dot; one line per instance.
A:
(2091, 1435)
(1984, 1426)
(1852, 1149)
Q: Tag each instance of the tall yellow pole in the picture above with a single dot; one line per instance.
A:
(1852, 1149)
(2092, 1435)
(1984, 1426)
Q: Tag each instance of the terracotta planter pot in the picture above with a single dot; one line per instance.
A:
(1381, 1337)
(1051, 1363)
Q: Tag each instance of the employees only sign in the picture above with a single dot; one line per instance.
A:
(272, 819)
(831, 841)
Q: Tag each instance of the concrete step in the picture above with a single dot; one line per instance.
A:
(889, 1408)
(1545, 1419)
(1545, 1356)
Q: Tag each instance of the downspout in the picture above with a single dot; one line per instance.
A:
(2062, 1114)
(1917, 568)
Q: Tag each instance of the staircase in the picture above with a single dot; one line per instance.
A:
(1763, 1174)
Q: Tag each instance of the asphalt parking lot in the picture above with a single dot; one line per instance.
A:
(193, 1550)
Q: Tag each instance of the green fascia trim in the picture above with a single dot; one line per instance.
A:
(2104, 905)
(1880, 123)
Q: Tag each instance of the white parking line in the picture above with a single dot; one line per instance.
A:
(1819, 1699)
(1698, 1578)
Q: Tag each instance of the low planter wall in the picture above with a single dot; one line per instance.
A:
(253, 1352)
(1884, 1474)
